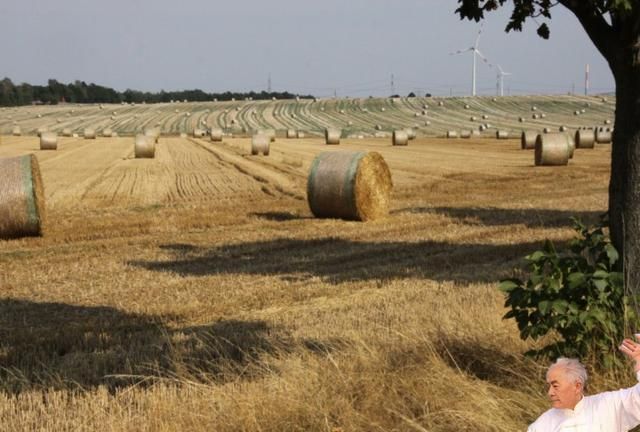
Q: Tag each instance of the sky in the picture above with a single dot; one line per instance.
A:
(342, 47)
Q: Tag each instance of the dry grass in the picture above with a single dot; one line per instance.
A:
(195, 291)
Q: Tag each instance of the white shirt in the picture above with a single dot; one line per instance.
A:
(614, 411)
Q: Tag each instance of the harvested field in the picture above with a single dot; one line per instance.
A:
(195, 290)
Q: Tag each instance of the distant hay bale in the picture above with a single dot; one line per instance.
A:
(89, 133)
(349, 123)
(16, 131)
(546, 130)
(22, 208)
(543, 115)
(183, 135)
(521, 119)
(576, 112)
(534, 108)
(473, 118)
(300, 134)
(603, 136)
(144, 147)
(528, 140)
(582, 111)
(216, 134)
(482, 128)
(198, 133)
(485, 116)
(502, 134)
(41, 130)
(535, 116)
(66, 132)
(107, 133)
(452, 134)
(427, 123)
(562, 128)
(378, 127)
(152, 133)
(114, 134)
(332, 136)
(585, 138)
(291, 133)
(75, 135)
(607, 122)
(466, 106)
(349, 185)
(383, 109)
(440, 103)
(465, 134)
(411, 133)
(260, 144)
(552, 149)
(400, 138)
(49, 141)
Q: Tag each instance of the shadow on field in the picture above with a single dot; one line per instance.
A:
(279, 216)
(492, 216)
(60, 346)
(337, 260)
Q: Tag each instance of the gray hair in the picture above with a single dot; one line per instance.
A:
(573, 369)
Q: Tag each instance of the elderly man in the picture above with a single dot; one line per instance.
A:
(614, 411)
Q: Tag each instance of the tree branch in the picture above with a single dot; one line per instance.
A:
(597, 28)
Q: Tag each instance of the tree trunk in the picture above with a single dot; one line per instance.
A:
(624, 185)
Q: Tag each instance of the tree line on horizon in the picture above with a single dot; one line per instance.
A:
(56, 92)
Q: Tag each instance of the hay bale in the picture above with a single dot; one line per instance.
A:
(16, 131)
(107, 133)
(546, 130)
(603, 136)
(41, 130)
(144, 146)
(22, 208)
(502, 134)
(528, 140)
(332, 136)
(452, 134)
(466, 106)
(562, 128)
(300, 134)
(473, 118)
(534, 108)
(216, 134)
(260, 144)
(543, 115)
(66, 132)
(440, 103)
(183, 135)
(89, 133)
(400, 138)
(585, 138)
(465, 134)
(411, 133)
(378, 127)
(535, 116)
(576, 112)
(521, 119)
(349, 185)
(49, 141)
(198, 133)
(607, 122)
(552, 149)
(291, 133)
(152, 133)
(484, 116)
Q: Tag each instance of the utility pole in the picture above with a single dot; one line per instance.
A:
(586, 80)
(393, 87)
(269, 83)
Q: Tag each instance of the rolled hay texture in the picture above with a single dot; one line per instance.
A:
(291, 133)
(66, 132)
(349, 185)
(260, 144)
(216, 134)
(144, 146)
(603, 136)
(585, 138)
(400, 138)
(153, 133)
(552, 149)
(22, 208)
(452, 134)
(16, 131)
(198, 133)
(89, 133)
(332, 136)
(49, 141)
(528, 140)
(502, 134)
(107, 133)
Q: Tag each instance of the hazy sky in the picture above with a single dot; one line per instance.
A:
(348, 46)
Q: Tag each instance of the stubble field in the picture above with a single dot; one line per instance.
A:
(195, 291)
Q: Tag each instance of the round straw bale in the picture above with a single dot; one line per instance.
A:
(534, 108)
(482, 128)
(89, 133)
(198, 133)
(576, 112)
(183, 135)
(107, 133)
(473, 118)
(378, 127)
(41, 130)
(585, 138)
(543, 115)
(349, 185)
(465, 134)
(427, 123)
(552, 149)
(475, 133)
(383, 109)
(440, 103)
(502, 134)
(411, 133)
(452, 134)
(583, 111)
(562, 128)
(300, 134)
(66, 132)
(484, 116)
(603, 136)
(144, 147)
(22, 209)
(494, 99)
(546, 130)
(466, 106)
(114, 134)
(75, 135)
(332, 136)
(49, 141)
(528, 140)
(16, 131)
(535, 116)
(521, 119)
(400, 138)
(607, 121)
(260, 144)
(291, 133)
(152, 133)
(216, 134)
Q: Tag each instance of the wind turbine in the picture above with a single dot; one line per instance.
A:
(501, 75)
(475, 51)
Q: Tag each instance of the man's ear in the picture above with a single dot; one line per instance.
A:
(579, 387)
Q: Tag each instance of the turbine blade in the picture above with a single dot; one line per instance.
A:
(461, 51)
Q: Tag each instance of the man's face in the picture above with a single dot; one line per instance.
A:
(564, 393)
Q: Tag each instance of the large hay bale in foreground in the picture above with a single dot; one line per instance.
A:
(144, 146)
(400, 138)
(89, 133)
(528, 140)
(585, 138)
(49, 141)
(216, 134)
(332, 136)
(603, 136)
(22, 209)
(552, 149)
(349, 185)
(16, 131)
(260, 144)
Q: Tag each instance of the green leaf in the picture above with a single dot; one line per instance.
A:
(536, 256)
(576, 279)
(544, 307)
(601, 284)
(612, 253)
(508, 285)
